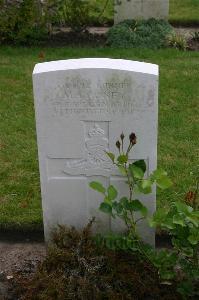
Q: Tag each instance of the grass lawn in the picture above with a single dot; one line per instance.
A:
(20, 204)
(184, 11)
(181, 11)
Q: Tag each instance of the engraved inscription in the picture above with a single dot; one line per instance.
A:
(77, 96)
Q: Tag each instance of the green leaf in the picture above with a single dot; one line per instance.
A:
(193, 239)
(144, 211)
(136, 172)
(118, 207)
(107, 200)
(183, 208)
(177, 219)
(164, 182)
(168, 223)
(112, 192)
(136, 205)
(97, 186)
(161, 219)
(111, 156)
(122, 159)
(195, 214)
(122, 170)
(157, 174)
(193, 220)
(161, 178)
(106, 208)
(124, 202)
(140, 164)
(146, 184)
(167, 275)
(152, 223)
(188, 251)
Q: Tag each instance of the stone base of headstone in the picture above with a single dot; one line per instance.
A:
(140, 9)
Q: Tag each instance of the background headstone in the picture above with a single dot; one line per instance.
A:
(140, 9)
(82, 106)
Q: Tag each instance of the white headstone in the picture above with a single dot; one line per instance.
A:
(140, 9)
(82, 106)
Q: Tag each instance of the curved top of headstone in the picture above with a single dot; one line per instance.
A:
(96, 63)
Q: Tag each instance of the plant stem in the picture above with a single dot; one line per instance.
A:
(130, 185)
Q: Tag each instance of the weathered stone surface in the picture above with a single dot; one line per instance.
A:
(82, 106)
(140, 9)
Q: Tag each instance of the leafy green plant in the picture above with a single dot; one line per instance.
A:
(127, 208)
(73, 13)
(181, 221)
(150, 33)
(177, 41)
(21, 22)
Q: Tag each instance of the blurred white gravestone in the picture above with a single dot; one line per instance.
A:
(82, 106)
(140, 9)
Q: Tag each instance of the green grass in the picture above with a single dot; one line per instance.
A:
(181, 11)
(184, 11)
(20, 205)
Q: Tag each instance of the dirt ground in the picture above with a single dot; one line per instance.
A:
(15, 257)
(13, 254)
(187, 31)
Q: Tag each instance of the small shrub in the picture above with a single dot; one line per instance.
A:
(177, 41)
(21, 22)
(129, 209)
(139, 34)
(72, 13)
(181, 264)
(181, 222)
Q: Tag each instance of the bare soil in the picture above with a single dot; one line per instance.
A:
(15, 257)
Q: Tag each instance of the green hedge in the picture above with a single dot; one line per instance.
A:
(139, 34)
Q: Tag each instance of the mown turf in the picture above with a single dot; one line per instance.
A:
(180, 12)
(184, 11)
(20, 205)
